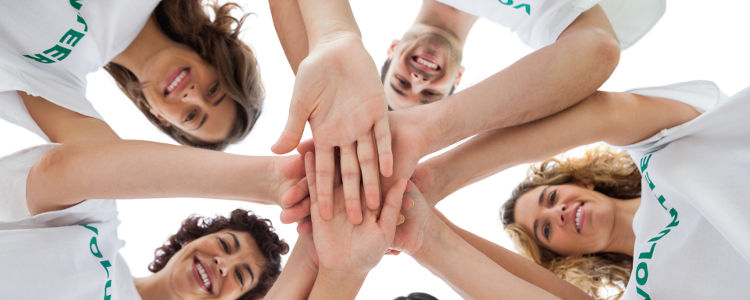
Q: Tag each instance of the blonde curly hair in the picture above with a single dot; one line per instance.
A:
(612, 173)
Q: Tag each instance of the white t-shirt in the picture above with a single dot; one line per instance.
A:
(66, 254)
(538, 23)
(49, 47)
(692, 230)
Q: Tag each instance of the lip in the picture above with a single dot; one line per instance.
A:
(414, 62)
(198, 278)
(181, 85)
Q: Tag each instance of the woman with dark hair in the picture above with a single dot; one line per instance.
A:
(59, 225)
(643, 226)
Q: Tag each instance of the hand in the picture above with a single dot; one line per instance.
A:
(339, 91)
(410, 144)
(411, 234)
(344, 248)
(429, 182)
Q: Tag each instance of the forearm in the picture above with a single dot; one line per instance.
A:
(538, 85)
(73, 172)
(336, 285)
(299, 274)
(290, 28)
(519, 266)
(472, 274)
(323, 19)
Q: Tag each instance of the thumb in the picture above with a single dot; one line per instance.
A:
(299, 111)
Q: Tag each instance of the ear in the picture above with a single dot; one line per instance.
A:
(159, 117)
(460, 74)
(588, 186)
(394, 43)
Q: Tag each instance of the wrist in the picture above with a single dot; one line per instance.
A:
(433, 234)
(337, 284)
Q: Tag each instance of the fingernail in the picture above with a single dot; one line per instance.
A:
(401, 219)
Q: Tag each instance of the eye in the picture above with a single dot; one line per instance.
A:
(545, 231)
(553, 198)
(213, 89)
(238, 273)
(429, 93)
(224, 245)
(190, 116)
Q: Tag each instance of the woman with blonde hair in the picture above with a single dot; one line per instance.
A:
(668, 224)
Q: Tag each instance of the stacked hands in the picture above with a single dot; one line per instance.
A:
(359, 152)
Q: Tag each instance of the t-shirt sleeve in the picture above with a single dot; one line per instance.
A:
(701, 95)
(14, 172)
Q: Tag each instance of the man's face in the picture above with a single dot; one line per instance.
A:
(425, 66)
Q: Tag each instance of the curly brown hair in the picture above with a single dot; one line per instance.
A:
(241, 220)
(217, 42)
(612, 173)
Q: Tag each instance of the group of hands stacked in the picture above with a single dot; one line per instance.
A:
(359, 152)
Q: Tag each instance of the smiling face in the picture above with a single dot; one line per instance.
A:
(184, 91)
(567, 219)
(221, 265)
(424, 67)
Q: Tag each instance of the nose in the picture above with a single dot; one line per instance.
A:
(221, 266)
(418, 82)
(191, 93)
(560, 211)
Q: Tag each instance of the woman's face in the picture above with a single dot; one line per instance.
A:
(221, 265)
(567, 219)
(184, 91)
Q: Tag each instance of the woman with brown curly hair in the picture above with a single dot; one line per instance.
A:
(59, 227)
(670, 223)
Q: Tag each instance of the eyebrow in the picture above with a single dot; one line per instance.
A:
(249, 271)
(236, 241)
(397, 90)
(219, 100)
(205, 116)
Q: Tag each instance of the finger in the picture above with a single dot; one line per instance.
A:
(299, 112)
(310, 170)
(306, 146)
(350, 180)
(392, 205)
(298, 192)
(295, 213)
(370, 176)
(383, 139)
(324, 173)
(407, 204)
(304, 226)
(392, 252)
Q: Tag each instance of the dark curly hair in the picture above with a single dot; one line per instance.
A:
(242, 220)
(217, 42)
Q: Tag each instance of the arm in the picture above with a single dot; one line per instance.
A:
(616, 118)
(290, 28)
(519, 266)
(299, 274)
(472, 274)
(71, 173)
(540, 84)
(64, 126)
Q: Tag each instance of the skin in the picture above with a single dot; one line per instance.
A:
(606, 223)
(226, 261)
(156, 61)
(437, 35)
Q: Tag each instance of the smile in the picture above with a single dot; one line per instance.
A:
(176, 80)
(201, 276)
(424, 63)
(580, 213)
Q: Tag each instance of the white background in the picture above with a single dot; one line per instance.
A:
(694, 40)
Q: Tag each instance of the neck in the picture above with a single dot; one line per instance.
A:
(146, 44)
(624, 238)
(151, 287)
(446, 18)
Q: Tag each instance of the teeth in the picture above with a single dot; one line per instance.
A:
(176, 81)
(427, 63)
(204, 276)
(578, 219)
